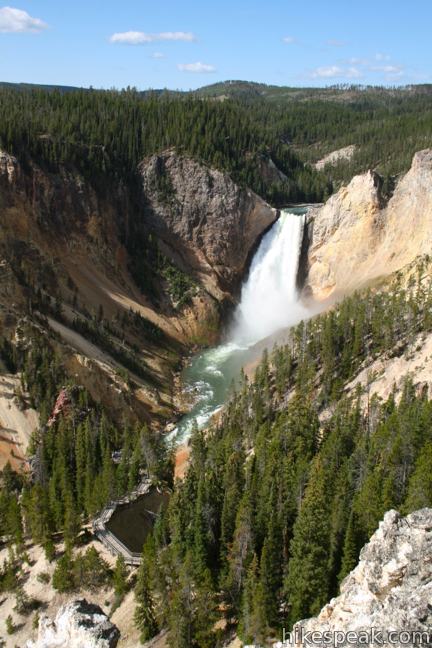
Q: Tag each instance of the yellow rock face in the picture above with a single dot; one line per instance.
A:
(355, 238)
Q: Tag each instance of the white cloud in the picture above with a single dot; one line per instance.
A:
(391, 72)
(353, 73)
(327, 72)
(358, 68)
(382, 57)
(336, 72)
(289, 40)
(141, 38)
(157, 55)
(388, 69)
(196, 67)
(18, 21)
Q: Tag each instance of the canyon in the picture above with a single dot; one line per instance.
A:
(113, 252)
(360, 235)
(77, 248)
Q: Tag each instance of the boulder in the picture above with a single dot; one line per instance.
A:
(388, 596)
(78, 624)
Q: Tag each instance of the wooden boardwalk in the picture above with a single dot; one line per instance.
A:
(111, 542)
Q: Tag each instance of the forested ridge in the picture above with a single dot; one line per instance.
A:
(72, 472)
(387, 125)
(105, 134)
(281, 495)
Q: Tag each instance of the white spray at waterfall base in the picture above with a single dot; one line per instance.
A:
(269, 302)
(269, 299)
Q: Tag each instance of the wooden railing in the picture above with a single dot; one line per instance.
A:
(108, 539)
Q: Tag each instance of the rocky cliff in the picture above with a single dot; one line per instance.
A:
(205, 219)
(155, 263)
(390, 591)
(78, 624)
(358, 236)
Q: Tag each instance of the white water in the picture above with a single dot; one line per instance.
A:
(268, 303)
(269, 299)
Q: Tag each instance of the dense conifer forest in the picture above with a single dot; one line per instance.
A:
(282, 494)
(105, 134)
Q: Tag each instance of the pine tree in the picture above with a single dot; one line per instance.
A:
(200, 533)
(120, 577)
(71, 522)
(14, 521)
(307, 572)
(10, 626)
(420, 484)
(351, 548)
(253, 621)
(205, 611)
(271, 571)
(108, 476)
(80, 462)
(134, 468)
(180, 612)
(63, 580)
(144, 616)
(90, 570)
(241, 552)
(49, 549)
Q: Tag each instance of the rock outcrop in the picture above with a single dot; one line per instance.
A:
(78, 624)
(390, 590)
(357, 237)
(8, 166)
(208, 221)
(343, 154)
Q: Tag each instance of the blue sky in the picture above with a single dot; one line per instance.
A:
(186, 44)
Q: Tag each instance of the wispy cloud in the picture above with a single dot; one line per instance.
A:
(357, 68)
(18, 21)
(196, 67)
(382, 57)
(336, 72)
(391, 72)
(157, 55)
(289, 40)
(334, 42)
(388, 69)
(141, 38)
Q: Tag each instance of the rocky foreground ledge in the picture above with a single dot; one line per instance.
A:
(78, 624)
(387, 599)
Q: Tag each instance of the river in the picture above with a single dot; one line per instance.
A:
(268, 303)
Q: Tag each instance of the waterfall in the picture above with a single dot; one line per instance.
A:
(269, 296)
(268, 302)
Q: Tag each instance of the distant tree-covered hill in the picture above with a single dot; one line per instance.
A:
(107, 133)
(388, 125)
(236, 126)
